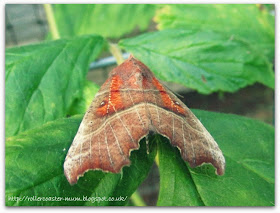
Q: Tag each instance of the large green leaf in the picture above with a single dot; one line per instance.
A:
(108, 20)
(249, 22)
(43, 80)
(34, 170)
(248, 147)
(202, 60)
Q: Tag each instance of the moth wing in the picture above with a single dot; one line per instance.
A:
(105, 142)
(186, 132)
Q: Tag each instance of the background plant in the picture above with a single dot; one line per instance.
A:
(229, 47)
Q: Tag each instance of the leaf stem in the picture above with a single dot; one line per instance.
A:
(157, 160)
(157, 155)
(137, 199)
(116, 52)
(51, 21)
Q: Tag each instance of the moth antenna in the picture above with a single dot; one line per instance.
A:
(177, 94)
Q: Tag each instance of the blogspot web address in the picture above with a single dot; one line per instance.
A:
(67, 199)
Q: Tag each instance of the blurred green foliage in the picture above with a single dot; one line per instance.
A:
(250, 22)
(110, 21)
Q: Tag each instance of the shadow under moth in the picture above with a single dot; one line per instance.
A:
(129, 105)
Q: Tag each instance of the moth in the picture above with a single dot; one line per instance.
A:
(129, 105)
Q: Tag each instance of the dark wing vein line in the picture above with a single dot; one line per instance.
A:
(117, 114)
(184, 140)
(156, 108)
(108, 151)
(136, 109)
(117, 142)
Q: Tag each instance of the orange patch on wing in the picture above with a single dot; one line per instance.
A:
(114, 102)
(102, 109)
(168, 102)
(115, 99)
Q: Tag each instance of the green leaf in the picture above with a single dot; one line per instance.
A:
(108, 20)
(43, 80)
(34, 169)
(250, 22)
(248, 147)
(176, 185)
(203, 60)
(81, 105)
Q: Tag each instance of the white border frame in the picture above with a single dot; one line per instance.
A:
(188, 209)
